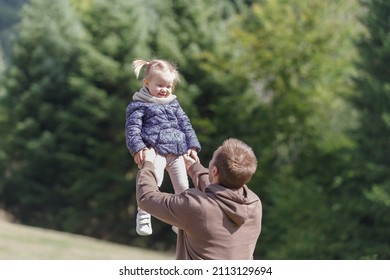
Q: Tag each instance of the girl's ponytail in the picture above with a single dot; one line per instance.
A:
(153, 66)
(137, 66)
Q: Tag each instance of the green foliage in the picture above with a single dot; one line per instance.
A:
(289, 74)
(371, 160)
(60, 152)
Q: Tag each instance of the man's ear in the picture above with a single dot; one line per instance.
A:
(215, 175)
(214, 170)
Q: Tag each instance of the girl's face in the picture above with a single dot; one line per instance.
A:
(160, 85)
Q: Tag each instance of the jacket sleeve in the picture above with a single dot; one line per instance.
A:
(187, 129)
(133, 128)
(199, 176)
(170, 208)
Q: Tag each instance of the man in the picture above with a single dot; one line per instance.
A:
(218, 219)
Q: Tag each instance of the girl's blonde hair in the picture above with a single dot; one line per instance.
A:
(155, 66)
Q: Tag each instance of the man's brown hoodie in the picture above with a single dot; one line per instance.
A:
(214, 222)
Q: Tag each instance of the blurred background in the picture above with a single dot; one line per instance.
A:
(306, 83)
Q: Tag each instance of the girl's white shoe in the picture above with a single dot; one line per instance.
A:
(143, 223)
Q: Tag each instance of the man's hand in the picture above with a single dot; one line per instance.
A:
(190, 158)
(149, 155)
(193, 154)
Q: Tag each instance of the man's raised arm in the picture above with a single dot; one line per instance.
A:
(198, 173)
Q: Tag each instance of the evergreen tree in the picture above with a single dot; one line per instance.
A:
(35, 82)
(371, 177)
(172, 30)
(119, 32)
(67, 164)
(203, 34)
(62, 169)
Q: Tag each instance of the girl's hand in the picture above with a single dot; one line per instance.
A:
(139, 157)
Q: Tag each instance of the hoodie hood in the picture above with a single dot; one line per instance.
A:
(237, 204)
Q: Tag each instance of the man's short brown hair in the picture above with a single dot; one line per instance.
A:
(236, 163)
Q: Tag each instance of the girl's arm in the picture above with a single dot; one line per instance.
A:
(133, 129)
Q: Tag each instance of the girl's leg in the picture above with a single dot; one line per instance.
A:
(160, 163)
(178, 173)
(143, 220)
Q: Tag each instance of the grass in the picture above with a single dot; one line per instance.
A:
(19, 242)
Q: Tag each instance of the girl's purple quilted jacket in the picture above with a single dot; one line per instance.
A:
(165, 127)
